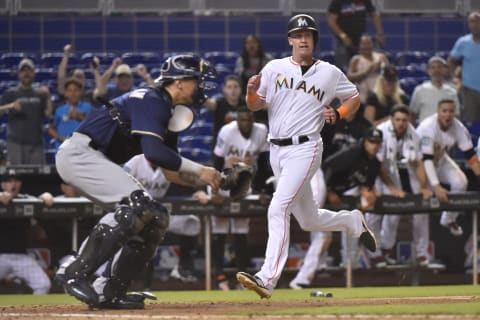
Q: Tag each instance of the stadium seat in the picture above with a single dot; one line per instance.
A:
(200, 128)
(196, 154)
(227, 58)
(149, 59)
(53, 59)
(45, 74)
(222, 72)
(408, 85)
(8, 74)
(328, 56)
(105, 58)
(196, 142)
(412, 71)
(405, 58)
(12, 59)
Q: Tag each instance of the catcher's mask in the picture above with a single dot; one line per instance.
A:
(187, 66)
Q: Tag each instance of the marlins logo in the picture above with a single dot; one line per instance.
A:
(301, 22)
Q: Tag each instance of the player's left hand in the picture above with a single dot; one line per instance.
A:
(330, 115)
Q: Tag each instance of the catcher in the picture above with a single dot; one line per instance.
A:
(142, 121)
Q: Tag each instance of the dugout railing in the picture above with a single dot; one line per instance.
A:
(74, 208)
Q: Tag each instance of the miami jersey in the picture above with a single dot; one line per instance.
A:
(295, 101)
(437, 142)
(153, 180)
(232, 144)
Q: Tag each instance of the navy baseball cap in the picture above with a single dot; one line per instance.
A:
(374, 135)
(10, 174)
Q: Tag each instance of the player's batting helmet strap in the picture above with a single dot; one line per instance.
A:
(302, 22)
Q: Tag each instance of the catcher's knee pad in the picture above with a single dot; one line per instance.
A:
(128, 220)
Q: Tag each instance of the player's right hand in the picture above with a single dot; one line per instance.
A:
(440, 193)
(210, 176)
(254, 83)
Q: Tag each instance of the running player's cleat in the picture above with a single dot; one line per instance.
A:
(254, 283)
(367, 238)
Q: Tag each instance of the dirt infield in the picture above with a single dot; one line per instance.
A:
(227, 310)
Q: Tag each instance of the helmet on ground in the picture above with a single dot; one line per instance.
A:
(303, 22)
(185, 66)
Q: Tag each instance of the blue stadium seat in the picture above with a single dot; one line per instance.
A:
(195, 142)
(53, 59)
(149, 59)
(443, 54)
(411, 71)
(228, 58)
(196, 154)
(405, 58)
(12, 59)
(474, 129)
(222, 72)
(105, 58)
(45, 74)
(8, 74)
(5, 85)
(408, 85)
(200, 128)
(328, 56)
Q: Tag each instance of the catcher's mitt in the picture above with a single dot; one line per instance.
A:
(237, 179)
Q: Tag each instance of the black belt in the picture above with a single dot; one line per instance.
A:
(289, 141)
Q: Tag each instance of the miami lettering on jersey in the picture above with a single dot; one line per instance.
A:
(237, 152)
(282, 83)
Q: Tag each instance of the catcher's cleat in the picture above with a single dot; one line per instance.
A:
(367, 238)
(254, 283)
(82, 290)
(119, 304)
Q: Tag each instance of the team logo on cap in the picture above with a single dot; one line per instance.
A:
(302, 22)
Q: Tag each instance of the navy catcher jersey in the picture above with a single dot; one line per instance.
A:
(144, 111)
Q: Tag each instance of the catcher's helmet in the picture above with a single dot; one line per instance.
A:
(185, 66)
(303, 22)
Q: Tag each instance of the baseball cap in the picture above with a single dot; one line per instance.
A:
(26, 63)
(9, 174)
(123, 69)
(437, 59)
(389, 72)
(374, 135)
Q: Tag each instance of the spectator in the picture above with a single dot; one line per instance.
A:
(466, 51)
(225, 108)
(425, 97)
(347, 20)
(364, 68)
(14, 235)
(187, 227)
(77, 73)
(439, 133)
(68, 116)
(124, 81)
(401, 145)
(252, 60)
(385, 95)
(27, 107)
(245, 141)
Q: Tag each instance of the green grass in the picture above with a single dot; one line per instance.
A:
(302, 295)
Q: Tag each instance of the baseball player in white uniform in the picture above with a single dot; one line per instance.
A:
(401, 144)
(154, 181)
(297, 91)
(439, 133)
(242, 140)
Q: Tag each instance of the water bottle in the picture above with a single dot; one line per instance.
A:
(317, 293)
